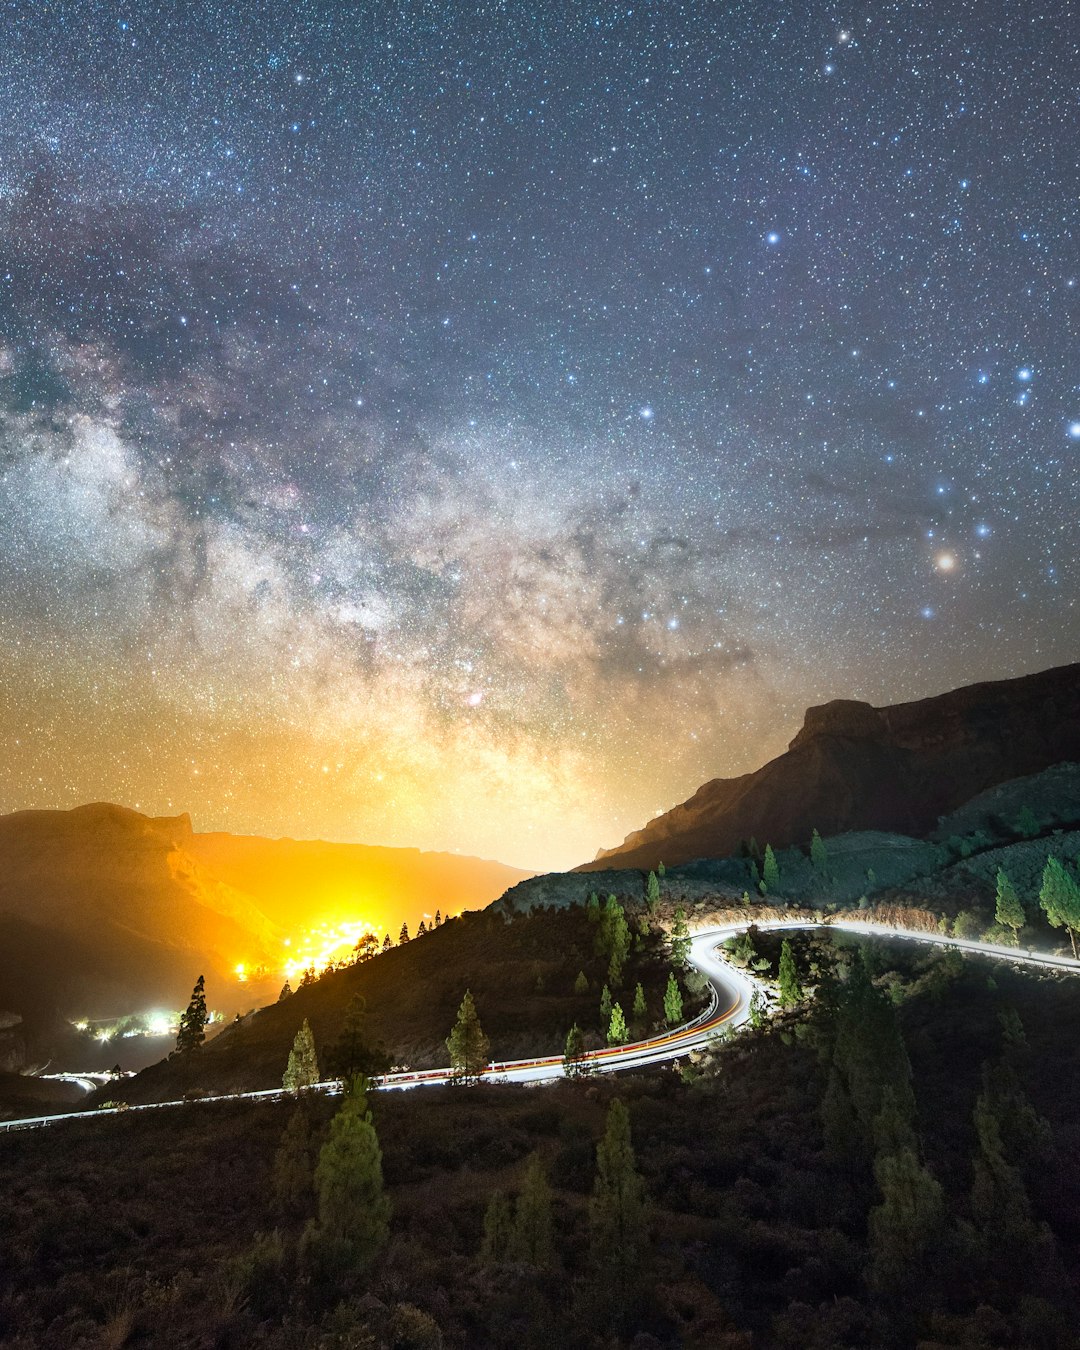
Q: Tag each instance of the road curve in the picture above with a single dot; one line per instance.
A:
(729, 1006)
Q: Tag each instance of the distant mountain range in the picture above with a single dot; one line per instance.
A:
(856, 767)
(105, 911)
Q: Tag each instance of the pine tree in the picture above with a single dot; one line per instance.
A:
(661, 870)
(497, 1224)
(592, 907)
(790, 990)
(192, 1031)
(617, 1216)
(468, 1046)
(673, 1002)
(1060, 898)
(1008, 912)
(438, 918)
(911, 1216)
(353, 1213)
(639, 1009)
(403, 936)
(819, 855)
(387, 943)
(574, 1064)
(581, 984)
(286, 990)
(605, 1005)
(756, 1010)
(617, 1032)
(352, 1054)
(652, 892)
(1027, 823)
(770, 870)
(532, 1236)
(680, 938)
(303, 1068)
(613, 939)
(292, 1171)
(422, 930)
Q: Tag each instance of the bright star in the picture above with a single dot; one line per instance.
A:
(1024, 374)
(646, 413)
(1073, 431)
(945, 562)
(772, 237)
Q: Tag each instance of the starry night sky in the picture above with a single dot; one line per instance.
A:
(474, 427)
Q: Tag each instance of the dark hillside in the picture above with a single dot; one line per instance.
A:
(521, 973)
(144, 1230)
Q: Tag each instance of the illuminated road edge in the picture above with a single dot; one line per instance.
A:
(729, 1007)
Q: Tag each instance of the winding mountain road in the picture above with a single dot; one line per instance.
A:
(729, 1006)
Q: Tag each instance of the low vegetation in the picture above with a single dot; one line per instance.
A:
(886, 1162)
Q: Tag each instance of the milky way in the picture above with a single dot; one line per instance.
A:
(475, 426)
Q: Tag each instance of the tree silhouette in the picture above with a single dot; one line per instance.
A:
(192, 1031)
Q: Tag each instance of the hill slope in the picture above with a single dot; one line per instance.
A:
(855, 767)
(105, 911)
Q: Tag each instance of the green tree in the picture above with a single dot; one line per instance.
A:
(352, 1053)
(904, 1227)
(1027, 823)
(574, 1064)
(613, 939)
(293, 1164)
(469, 1047)
(790, 990)
(303, 1067)
(1060, 898)
(581, 984)
(353, 1213)
(592, 907)
(680, 938)
(757, 1009)
(770, 870)
(192, 1031)
(1008, 912)
(819, 855)
(617, 1031)
(497, 1224)
(605, 1005)
(652, 892)
(673, 1002)
(639, 1009)
(618, 1234)
(532, 1236)
(661, 870)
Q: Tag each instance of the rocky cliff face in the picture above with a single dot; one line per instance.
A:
(856, 767)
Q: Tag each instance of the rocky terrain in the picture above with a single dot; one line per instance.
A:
(856, 767)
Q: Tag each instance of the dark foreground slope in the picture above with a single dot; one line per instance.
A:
(855, 767)
(160, 1230)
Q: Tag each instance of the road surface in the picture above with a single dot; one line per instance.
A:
(729, 1007)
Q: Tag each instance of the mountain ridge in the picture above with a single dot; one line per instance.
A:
(852, 766)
